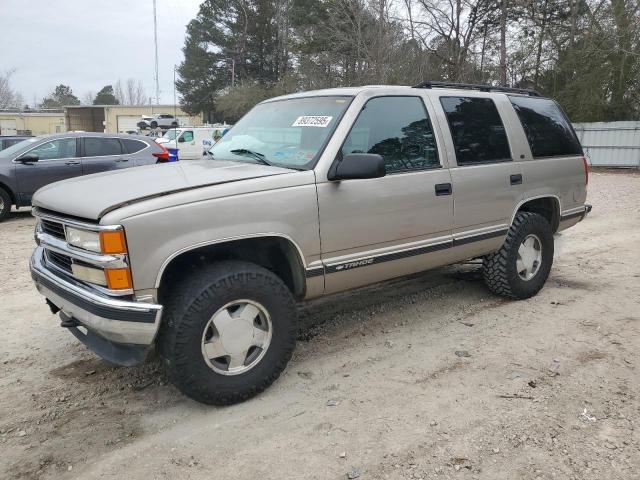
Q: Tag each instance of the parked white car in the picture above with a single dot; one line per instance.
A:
(159, 120)
(192, 142)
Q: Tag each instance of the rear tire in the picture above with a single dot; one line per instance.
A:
(5, 204)
(521, 267)
(198, 351)
(154, 124)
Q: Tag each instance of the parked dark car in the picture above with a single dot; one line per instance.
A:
(9, 140)
(38, 161)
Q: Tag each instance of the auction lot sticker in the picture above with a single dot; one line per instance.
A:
(312, 121)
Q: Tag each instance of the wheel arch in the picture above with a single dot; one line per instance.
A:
(277, 253)
(547, 206)
(9, 191)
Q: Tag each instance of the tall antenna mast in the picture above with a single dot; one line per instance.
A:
(155, 40)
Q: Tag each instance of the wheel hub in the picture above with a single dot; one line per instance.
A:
(236, 337)
(529, 257)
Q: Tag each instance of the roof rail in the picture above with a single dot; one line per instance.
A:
(476, 86)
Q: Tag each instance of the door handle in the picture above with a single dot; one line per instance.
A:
(119, 160)
(443, 189)
(516, 179)
(72, 162)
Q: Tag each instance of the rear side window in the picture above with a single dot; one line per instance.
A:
(548, 131)
(477, 130)
(100, 147)
(398, 128)
(133, 146)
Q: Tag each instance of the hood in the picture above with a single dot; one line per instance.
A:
(92, 196)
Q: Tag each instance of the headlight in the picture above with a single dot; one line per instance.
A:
(84, 239)
(106, 241)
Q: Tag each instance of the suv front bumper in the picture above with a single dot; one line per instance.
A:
(120, 331)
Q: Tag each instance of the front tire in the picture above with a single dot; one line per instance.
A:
(5, 204)
(228, 332)
(522, 265)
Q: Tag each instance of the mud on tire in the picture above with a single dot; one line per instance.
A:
(190, 308)
(500, 273)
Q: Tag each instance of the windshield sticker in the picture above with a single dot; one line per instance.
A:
(312, 121)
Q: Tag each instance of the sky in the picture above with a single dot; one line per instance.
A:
(88, 44)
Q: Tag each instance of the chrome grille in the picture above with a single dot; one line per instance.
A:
(54, 229)
(63, 262)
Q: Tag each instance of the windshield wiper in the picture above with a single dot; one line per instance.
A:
(259, 157)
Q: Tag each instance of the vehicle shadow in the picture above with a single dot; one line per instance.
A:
(317, 315)
(18, 215)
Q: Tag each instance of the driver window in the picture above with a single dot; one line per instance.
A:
(56, 149)
(187, 136)
(398, 128)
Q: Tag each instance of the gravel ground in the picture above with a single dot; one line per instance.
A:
(424, 377)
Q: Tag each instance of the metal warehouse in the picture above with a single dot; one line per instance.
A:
(120, 118)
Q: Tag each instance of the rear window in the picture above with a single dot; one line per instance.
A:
(477, 130)
(101, 147)
(548, 131)
(133, 146)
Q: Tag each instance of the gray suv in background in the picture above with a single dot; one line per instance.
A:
(39, 161)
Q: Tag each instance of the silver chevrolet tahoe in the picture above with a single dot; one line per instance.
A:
(309, 194)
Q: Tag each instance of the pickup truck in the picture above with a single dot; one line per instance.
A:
(308, 195)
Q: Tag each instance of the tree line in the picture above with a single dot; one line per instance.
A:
(129, 92)
(583, 53)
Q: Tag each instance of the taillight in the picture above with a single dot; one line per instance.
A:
(163, 154)
(586, 170)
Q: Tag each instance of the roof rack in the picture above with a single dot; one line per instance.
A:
(477, 86)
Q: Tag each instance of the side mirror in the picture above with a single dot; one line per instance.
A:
(28, 158)
(355, 166)
(181, 140)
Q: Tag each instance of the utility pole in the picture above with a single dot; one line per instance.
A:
(155, 40)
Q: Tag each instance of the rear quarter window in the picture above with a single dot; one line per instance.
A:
(547, 128)
(133, 146)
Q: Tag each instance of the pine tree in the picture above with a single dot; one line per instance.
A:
(106, 96)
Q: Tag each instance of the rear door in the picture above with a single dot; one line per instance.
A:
(57, 160)
(487, 182)
(101, 154)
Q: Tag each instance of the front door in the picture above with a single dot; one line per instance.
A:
(187, 148)
(380, 228)
(57, 160)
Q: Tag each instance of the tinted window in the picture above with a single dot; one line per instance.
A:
(63, 148)
(133, 146)
(98, 147)
(188, 136)
(397, 128)
(548, 130)
(477, 130)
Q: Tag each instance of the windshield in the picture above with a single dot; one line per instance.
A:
(13, 149)
(172, 134)
(288, 133)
